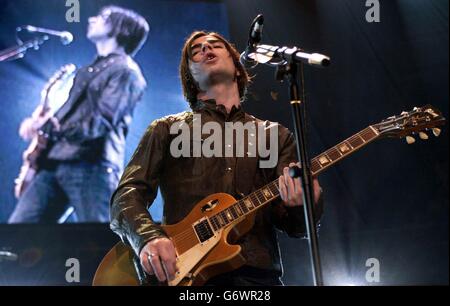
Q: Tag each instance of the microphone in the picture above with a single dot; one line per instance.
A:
(66, 37)
(254, 37)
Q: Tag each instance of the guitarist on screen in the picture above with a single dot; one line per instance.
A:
(214, 83)
(81, 147)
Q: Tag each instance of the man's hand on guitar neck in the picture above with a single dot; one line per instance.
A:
(158, 257)
(291, 191)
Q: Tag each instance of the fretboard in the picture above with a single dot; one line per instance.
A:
(270, 192)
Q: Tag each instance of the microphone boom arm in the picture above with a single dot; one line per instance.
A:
(276, 56)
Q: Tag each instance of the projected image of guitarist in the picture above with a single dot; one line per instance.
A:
(201, 213)
(77, 150)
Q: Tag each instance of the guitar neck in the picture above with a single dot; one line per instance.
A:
(270, 192)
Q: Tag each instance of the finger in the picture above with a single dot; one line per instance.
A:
(168, 261)
(146, 264)
(317, 190)
(290, 188)
(286, 186)
(157, 268)
(282, 188)
(295, 180)
(298, 191)
(169, 268)
(175, 258)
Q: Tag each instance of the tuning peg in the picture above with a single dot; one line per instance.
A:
(410, 139)
(423, 135)
(436, 132)
(404, 113)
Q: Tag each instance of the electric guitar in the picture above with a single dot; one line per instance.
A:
(203, 239)
(39, 143)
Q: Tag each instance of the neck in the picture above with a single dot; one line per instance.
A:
(107, 46)
(226, 94)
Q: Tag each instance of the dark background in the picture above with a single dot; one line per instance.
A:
(388, 201)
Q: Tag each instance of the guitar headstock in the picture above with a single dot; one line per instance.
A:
(417, 121)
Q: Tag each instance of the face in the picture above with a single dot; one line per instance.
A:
(210, 61)
(99, 27)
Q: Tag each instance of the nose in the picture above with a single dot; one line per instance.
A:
(92, 19)
(206, 46)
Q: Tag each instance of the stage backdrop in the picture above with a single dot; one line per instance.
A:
(21, 81)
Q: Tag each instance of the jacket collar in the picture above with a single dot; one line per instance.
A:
(210, 105)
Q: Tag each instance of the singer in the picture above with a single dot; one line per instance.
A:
(84, 155)
(214, 83)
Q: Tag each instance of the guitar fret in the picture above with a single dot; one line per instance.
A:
(220, 219)
(324, 159)
(233, 212)
(243, 206)
(368, 134)
(228, 214)
(254, 200)
(249, 202)
(359, 135)
(344, 147)
(216, 222)
(356, 142)
(259, 196)
(274, 189)
(224, 217)
(267, 193)
(334, 154)
(315, 165)
(213, 222)
(238, 209)
(349, 144)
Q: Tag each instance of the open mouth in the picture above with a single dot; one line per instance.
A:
(210, 57)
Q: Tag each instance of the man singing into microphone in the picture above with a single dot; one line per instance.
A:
(87, 135)
(214, 83)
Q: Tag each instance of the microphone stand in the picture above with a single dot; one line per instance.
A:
(290, 71)
(286, 61)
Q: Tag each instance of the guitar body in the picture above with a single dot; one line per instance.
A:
(39, 143)
(30, 166)
(197, 262)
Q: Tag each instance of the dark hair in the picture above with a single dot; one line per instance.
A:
(190, 89)
(129, 28)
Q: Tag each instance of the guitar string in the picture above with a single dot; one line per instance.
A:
(366, 133)
(185, 237)
(190, 234)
